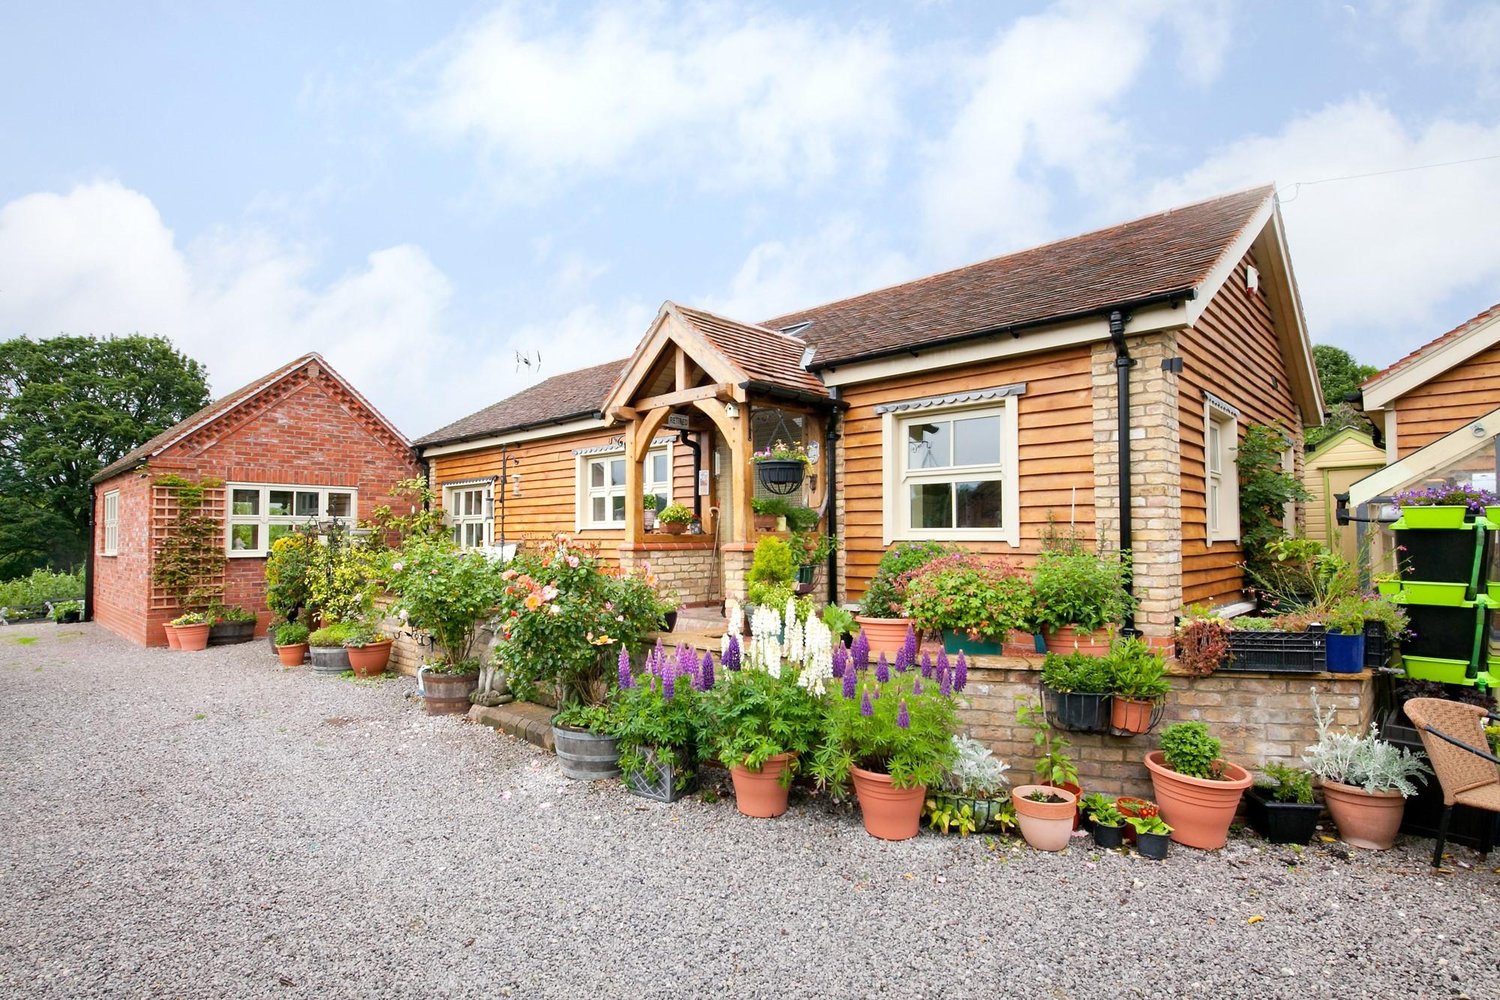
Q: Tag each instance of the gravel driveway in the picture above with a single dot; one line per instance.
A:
(208, 825)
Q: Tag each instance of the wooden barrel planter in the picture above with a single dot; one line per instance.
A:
(448, 694)
(230, 633)
(586, 756)
(330, 660)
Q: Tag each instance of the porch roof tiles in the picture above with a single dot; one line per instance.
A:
(764, 355)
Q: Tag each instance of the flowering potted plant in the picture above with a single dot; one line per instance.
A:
(1443, 506)
(674, 519)
(782, 466)
(658, 721)
(973, 602)
(1366, 781)
(1198, 791)
(1076, 594)
(883, 620)
(971, 796)
(892, 737)
(192, 630)
(291, 643)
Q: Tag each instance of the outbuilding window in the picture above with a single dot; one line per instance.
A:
(1221, 481)
(468, 507)
(260, 514)
(111, 524)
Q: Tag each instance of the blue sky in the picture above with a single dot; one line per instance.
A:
(420, 191)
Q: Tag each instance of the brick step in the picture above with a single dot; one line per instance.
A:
(522, 719)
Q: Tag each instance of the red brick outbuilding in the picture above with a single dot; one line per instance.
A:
(296, 444)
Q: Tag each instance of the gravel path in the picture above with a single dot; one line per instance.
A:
(207, 825)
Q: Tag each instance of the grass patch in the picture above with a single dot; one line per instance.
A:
(24, 640)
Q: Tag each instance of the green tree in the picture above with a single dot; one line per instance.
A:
(1340, 376)
(68, 407)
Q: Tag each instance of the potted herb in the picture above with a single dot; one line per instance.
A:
(658, 721)
(192, 630)
(648, 510)
(883, 619)
(1138, 684)
(1345, 623)
(1280, 805)
(1054, 765)
(973, 602)
(782, 467)
(1198, 791)
(1076, 688)
(291, 643)
(768, 512)
(1078, 594)
(674, 519)
(1152, 836)
(761, 725)
(1366, 781)
(369, 650)
(893, 739)
(1104, 820)
(971, 797)
(1046, 815)
(328, 652)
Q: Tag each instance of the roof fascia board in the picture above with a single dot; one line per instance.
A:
(669, 327)
(1153, 319)
(1382, 393)
(1291, 323)
(1445, 450)
(1224, 267)
(499, 440)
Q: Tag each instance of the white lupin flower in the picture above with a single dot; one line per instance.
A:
(735, 613)
(795, 644)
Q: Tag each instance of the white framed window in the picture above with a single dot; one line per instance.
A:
(111, 524)
(469, 509)
(950, 469)
(601, 485)
(1221, 480)
(258, 514)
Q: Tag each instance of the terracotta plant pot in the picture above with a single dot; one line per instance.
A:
(672, 527)
(293, 655)
(1068, 639)
(759, 793)
(1130, 715)
(1365, 819)
(1047, 826)
(889, 813)
(886, 635)
(1198, 810)
(764, 522)
(192, 638)
(172, 640)
(370, 661)
(1074, 790)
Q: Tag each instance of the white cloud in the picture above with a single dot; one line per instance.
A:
(1463, 34)
(709, 95)
(1376, 256)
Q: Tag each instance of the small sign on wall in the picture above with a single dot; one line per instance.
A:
(678, 421)
(703, 482)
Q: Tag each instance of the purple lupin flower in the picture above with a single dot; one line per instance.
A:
(941, 667)
(910, 645)
(903, 717)
(865, 708)
(840, 660)
(660, 652)
(626, 681)
(850, 678)
(861, 652)
(706, 672)
(732, 653)
(916, 686)
(960, 673)
(945, 682)
(927, 665)
(669, 681)
(687, 662)
(882, 670)
(903, 662)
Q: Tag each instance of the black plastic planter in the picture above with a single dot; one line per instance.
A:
(1378, 646)
(1442, 555)
(1153, 845)
(1079, 713)
(1108, 836)
(1442, 632)
(1280, 822)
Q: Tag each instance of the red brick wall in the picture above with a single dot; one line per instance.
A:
(306, 430)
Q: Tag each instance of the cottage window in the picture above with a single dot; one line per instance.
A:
(111, 524)
(601, 487)
(1220, 477)
(951, 473)
(469, 509)
(260, 514)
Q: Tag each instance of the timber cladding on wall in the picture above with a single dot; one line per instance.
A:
(1233, 353)
(1056, 449)
(1447, 401)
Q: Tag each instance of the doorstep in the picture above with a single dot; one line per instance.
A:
(522, 719)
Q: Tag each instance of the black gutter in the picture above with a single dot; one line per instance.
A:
(566, 417)
(1123, 363)
(1175, 297)
(682, 438)
(88, 563)
(831, 437)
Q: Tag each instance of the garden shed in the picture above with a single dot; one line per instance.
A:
(1331, 468)
(299, 444)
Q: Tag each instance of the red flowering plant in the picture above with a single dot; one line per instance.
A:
(563, 616)
(962, 591)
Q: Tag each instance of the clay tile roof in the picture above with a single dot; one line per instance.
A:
(568, 396)
(1427, 348)
(1157, 255)
(212, 411)
(763, 355)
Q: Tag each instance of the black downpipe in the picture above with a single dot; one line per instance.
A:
(1123, 363)
(683, 438)
(88, 561)
(831, 438)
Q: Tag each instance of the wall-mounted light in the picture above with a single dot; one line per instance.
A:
(516, 484)
(1478, 430)
(732, 410)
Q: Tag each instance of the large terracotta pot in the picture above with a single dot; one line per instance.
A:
(885, 635)
(1198, 810)
(193, 637)
(1130, 715)
(889, 813)
(759, 793)
(370, 661)
(172, 641)
(293, 655)
(672, 527)
(1074, 790)
(1365, 819)
(1068, 639)
(1047, 826)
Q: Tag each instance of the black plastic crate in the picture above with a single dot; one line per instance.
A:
(1378, 646)
(1277, 652)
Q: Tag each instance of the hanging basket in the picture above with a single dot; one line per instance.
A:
(781, 476)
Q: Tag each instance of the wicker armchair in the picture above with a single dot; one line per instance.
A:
(1453, 735)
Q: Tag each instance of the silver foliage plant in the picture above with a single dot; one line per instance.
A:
(976, 771)
(1367, 761)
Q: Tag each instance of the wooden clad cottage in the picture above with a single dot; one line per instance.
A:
(298, 444)
(1101, 382)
